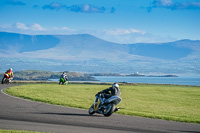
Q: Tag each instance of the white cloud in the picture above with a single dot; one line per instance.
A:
(119, 31)
(24, 27)
(61, 30)
(53, 6)
(36, 27)
(166, 2)
(20, 26)
(65, 28)
(86, 7)
(171, 4)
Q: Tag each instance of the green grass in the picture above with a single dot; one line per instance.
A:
(17, 131)
(168, 102)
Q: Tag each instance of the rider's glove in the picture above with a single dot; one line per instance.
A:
(97, 93)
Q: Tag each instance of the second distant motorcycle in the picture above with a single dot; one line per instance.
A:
(63, 79)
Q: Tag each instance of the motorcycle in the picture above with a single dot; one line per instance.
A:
(63, 82)
(108, 108)
(6, 79)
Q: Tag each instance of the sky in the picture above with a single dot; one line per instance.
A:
(119, 21)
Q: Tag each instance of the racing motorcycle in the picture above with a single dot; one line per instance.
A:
(6, 79)
(108, 108)
(63, 82)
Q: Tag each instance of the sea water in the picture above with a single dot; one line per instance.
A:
(180, 80)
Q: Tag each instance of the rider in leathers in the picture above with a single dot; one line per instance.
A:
(111, 91)
(64, 76)
(10, 73)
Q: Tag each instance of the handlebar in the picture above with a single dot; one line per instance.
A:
(99, 93)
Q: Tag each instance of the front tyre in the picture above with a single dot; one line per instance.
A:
(3, 80)
(91, 110)
(109, 110)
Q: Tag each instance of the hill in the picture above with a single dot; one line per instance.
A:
(169, 51)
(24, 43)
(46, 75)
(86, 53)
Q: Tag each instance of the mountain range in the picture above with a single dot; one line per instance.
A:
(87, 53)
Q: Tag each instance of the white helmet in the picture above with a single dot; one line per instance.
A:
(115, 85)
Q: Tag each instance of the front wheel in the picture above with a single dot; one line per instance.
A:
(3, 80)
(109, 110)
(91, 110)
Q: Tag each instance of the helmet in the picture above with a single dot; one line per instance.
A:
(115, 85)
(10, 69)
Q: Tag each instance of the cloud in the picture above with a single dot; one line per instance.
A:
(36, 27)
(119, 31)
(62, 30)
(33, 27)
(83, 8)
(86, 8)
(53, 6)
(170, 4)
(20, 26)
(17, 27)
(15, 2)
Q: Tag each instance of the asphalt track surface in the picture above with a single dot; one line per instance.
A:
(20, 114)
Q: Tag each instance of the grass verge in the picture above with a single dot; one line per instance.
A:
(168, 102)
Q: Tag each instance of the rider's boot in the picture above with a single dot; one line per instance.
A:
(116, 109)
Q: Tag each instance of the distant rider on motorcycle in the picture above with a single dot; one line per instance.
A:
(10, 73)
(111, 91)
(64, 76)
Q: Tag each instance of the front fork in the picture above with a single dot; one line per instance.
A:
(96, 103)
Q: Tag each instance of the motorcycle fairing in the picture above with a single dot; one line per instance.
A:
(62, 80)
(6, 75)
(114, 99)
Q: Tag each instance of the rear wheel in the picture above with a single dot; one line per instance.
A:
(109, 110)
(91, 110)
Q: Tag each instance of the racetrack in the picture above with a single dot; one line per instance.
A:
(20, 114)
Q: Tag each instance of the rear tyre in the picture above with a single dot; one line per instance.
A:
(91, 110)
(109, 110)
